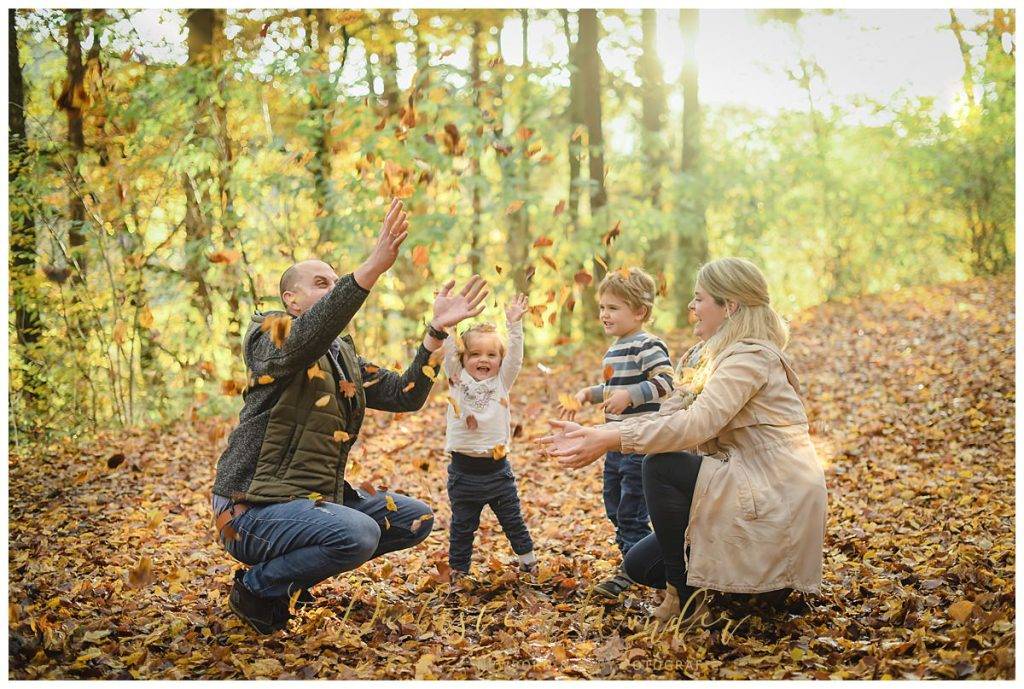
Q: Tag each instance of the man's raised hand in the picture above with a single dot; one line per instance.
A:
(393, 232)
(451, 309)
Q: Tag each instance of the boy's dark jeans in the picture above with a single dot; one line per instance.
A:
(469, 489)
(624, 501)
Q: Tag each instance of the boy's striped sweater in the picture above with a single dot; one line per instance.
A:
(640, 364)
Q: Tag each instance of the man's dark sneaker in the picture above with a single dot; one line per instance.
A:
(305, 599)
(613, 586)
(265, 615)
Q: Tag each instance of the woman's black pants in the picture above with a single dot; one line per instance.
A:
(669, 482)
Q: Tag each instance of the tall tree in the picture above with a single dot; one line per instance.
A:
(477, 84)
(653, 104)
(518, 239)
(590, 93)
(694, 201)
(23, 228)
(72, 100)
(202, 24)
(574, 114)
(965, 54)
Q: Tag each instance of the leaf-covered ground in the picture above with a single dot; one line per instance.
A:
(911, 396)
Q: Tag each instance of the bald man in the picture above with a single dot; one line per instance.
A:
(280, 500)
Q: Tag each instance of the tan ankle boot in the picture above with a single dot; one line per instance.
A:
(670, 605)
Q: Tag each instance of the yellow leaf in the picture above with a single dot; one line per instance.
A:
(226, 256)
(342, 436)
(390, 503)
(146, 318)
(317, 498)
(323, 401)
(409, 386)
(569, 402)
(601, 262)
(430, 373)
(961, 610)
(142, 574)
(425, 667)
(499, 452)
(265, 380)
(348, 388)
(315, 372)
(455, 406)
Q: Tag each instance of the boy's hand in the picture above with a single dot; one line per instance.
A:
(618, 402)
(516, 308)
(581, 398)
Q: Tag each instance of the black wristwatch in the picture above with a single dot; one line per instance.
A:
(435, 333)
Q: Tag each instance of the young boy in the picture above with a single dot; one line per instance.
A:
(477, 437)
(637, 375)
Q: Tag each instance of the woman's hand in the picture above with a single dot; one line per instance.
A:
(451, 310)
(618, 402)
(577, 446)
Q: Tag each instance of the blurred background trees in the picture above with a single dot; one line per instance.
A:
(166, 166)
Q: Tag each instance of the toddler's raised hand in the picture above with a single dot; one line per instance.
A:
(516, 308)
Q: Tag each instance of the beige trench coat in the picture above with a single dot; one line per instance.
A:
(757, 521)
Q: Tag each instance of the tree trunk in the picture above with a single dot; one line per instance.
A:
(72, 100)
(518, 239)
(575, 117)
(321, 112)
(654, 105)
(965, 54)
(475, 257)
(23, 228)
(590, 93)
(201, 26)
(696, 251)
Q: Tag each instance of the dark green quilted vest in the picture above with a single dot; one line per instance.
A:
(300, 452)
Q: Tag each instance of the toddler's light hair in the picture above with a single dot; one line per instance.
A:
(633, 286)
(479, 329)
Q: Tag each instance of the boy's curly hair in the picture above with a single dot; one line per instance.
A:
(479, 329)
(633, 286)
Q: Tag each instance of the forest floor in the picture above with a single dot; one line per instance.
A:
(114, 572)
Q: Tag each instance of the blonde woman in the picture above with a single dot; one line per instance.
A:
(745, 511)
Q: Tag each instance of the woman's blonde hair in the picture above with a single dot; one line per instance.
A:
(740, 281)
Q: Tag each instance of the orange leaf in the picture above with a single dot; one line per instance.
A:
(609, 372)
(513, 207)
(225, 256)
(409, 387)
(142, 574)
(542, 241)
(420, 256)
(279, 328)
(342, 436)
(347, 388)
(265, 380)
(583, 278)
(559, 207)
(471, 422)
(315, 372)
(550, 261)
(610, 236)
(499, 452)
(368, 487)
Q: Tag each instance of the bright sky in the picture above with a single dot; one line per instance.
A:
(877, 53)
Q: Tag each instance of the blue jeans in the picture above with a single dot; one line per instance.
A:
(468, 494)
(297, 544)
(624, 498)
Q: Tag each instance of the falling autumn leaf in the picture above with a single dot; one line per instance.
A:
(420, 257)
(314, 371)
(409, 386)
(513, 207)
(142, 574)
(455, 405)
(390, 503)
(347, 388)
(609, 372)
(559, 207)
(265, 380)
(499, 452)
(341, 436)
(322, 401)
(611, 234)
(279, 328)
(542, 241)
(429, 372)
(225, 256)
(583, 278)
